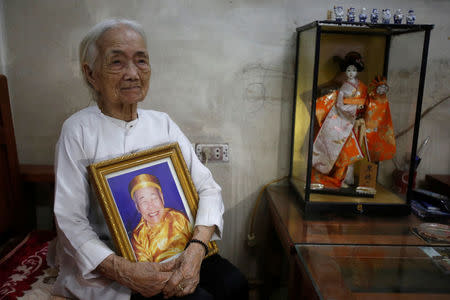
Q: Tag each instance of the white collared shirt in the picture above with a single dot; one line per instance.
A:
(84, 240)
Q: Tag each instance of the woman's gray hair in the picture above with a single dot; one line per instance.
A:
(88, 51)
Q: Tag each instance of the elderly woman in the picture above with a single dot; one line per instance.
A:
(116, 67)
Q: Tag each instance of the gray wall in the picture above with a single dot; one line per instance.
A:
(222, 69)
(2, 39)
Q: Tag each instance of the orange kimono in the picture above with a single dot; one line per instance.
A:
(379, 129)
(344, 138)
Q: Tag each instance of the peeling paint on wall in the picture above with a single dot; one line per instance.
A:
(262, 85)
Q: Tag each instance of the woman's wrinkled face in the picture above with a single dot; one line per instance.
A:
(351, 72)
(150, 204)
(121, 72)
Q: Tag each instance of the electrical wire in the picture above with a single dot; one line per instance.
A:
(424, 113)
(205, 157)
(251, 234)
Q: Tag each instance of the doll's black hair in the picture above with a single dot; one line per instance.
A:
(351, 58)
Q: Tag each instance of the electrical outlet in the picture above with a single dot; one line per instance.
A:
(212, 152)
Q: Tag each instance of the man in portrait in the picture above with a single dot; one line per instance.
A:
(162, 231)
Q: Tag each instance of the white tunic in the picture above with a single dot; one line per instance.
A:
(84, 241)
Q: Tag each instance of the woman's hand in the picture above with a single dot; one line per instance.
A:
(146, 278)
(186, 271)
(186, 276)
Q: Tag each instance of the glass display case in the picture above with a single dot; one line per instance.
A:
(356, 116)
(376, 271)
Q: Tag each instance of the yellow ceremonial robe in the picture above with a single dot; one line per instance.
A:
(161, 241)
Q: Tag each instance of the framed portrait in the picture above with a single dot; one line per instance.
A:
(149, 202)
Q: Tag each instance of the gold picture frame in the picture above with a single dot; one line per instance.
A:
(111, 180)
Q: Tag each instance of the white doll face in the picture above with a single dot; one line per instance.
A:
(351, 72)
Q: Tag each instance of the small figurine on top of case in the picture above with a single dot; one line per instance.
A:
(387, 16)
(351, 14)
(363, 15)
(411, 17)
(338, 13)
(374, 16)
(398, 16)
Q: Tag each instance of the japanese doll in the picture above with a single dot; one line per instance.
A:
(353, 125)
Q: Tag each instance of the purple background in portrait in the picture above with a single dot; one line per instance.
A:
(127, 209)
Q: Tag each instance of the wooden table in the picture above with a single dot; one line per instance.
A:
(293, 229)
(38, 188)
(37, 173)
(438, 183)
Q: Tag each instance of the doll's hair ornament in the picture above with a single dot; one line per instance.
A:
(376, 82)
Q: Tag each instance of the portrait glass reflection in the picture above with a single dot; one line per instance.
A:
(153, 209)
